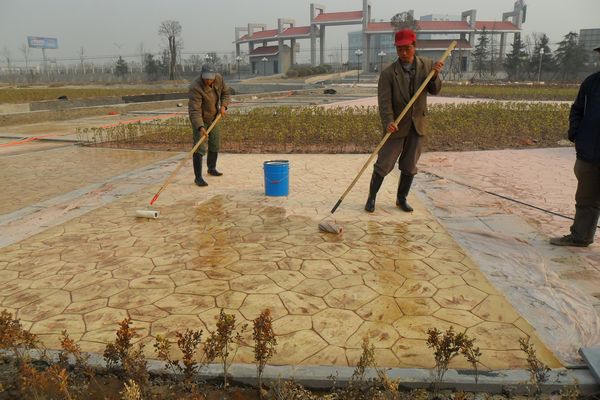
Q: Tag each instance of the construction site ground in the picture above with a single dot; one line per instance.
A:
(473, 255)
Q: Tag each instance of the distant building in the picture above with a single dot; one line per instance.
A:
(379, 44)
(589, 39)
(434, 36)
(269, 60)
(439, 17)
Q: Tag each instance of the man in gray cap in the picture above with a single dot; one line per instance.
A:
(208, 96)
(584, 130)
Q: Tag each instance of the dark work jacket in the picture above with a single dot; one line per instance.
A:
(205, 102)
(393, 95)
(584, 120)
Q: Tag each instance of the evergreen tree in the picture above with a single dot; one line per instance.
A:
(516, 60)
(570, 57)
(152, 67)
(121, 67)
(481, 53)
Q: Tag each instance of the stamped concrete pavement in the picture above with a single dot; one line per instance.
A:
(390, 275)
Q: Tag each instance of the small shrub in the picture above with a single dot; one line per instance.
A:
(14, 338)
(362, 388)
(51, 383)
(80, 372)
(289, 390)
(570, 393)
(123, 353)
(538, 371)
(446, 346)
(70, 349)
(188, 343)
(223, 343)
(264, 344)
(131, 391)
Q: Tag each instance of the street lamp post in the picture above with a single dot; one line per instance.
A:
(264, 60)
(358, 53)
(542, 51)
(381, 54)
(238, 59)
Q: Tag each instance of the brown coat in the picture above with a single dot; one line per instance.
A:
(393, 95)
(205, 102)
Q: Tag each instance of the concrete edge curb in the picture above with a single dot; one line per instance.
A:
(320, 377)
(35, 218)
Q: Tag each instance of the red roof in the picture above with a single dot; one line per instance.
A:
(441, 44)
(264, 34)
(260, 34)
(339, 16)
(496, 26)
(299, 31)
(424, 26)
(296, 31)
(265, 51)
(380, 27)
(446, 26)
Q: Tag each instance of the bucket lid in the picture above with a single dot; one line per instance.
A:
(272, 162)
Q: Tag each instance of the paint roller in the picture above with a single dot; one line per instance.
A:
(153, 214)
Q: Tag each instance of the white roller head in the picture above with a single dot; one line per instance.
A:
(151, 214)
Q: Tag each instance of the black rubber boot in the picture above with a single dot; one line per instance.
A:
(211, 163)
(403, 188)
(582, 230)
(585, 223)
(197, 159)
(376, 181)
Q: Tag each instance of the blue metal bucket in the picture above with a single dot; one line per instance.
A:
(277, 174)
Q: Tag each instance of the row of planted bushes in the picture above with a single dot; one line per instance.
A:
(494, 91)
(297, 71)
(512, 91)
(475, 126)
(70, 375)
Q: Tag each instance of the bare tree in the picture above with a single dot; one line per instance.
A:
(6, 55)
(82, 58)
(142, 53)
(25, 50)
(404, 20)
(171, 30)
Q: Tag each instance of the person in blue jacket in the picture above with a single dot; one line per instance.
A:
(584, 130)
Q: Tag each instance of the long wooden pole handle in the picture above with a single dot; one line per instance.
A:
(396, 122)
(170, 178)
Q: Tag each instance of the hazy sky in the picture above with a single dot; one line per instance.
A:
(111, 27)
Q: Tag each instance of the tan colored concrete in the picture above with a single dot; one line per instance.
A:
(30, 178)
(390, 275)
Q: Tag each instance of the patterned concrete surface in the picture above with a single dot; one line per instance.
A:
(391, 275)
(542, 178)
(487, 205)
(30, 178)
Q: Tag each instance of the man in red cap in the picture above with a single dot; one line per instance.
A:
(584, 130)
(397, 85)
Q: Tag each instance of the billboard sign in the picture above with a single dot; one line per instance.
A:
(42, 42)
